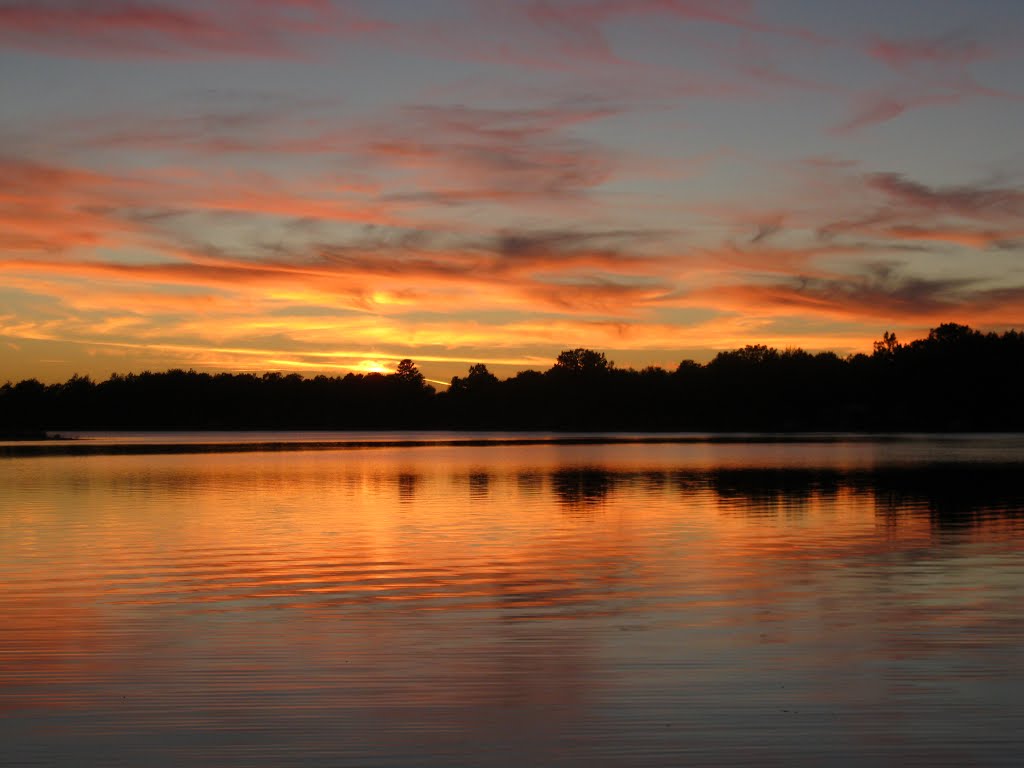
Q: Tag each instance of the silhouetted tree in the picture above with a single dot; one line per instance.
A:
(408, 373)
(952, 334)
(479, 379)
(888, 346)
(582, 361)
(955, 379)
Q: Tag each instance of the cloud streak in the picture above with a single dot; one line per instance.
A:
(882, 293)
(458, 155)
(928, 72)
(141, 28)
(305, 177)
(967, 201)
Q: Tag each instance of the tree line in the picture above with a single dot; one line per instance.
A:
(956, 379)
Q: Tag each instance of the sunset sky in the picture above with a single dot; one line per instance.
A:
(317, 186)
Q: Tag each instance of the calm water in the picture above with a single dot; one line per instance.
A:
(841, 601)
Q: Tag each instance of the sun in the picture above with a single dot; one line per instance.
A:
(373, 366)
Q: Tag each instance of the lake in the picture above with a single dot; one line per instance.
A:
(512, 600)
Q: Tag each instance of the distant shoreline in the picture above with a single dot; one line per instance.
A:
(273, 443)
(955, 380)
(29, 435)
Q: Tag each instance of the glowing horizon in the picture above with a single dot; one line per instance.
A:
(319, 187)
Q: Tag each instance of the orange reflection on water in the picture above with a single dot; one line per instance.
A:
(393, 603)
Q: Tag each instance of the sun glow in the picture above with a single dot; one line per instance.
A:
(372, 366)
(496, 224)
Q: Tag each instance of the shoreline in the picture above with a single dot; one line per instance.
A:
(199, 442)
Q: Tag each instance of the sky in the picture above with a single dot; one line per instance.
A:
(323, 187)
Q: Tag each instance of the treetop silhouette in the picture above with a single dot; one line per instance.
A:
(956, 378)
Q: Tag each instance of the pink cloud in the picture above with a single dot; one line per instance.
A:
(48, 208)
(931, 72)
(873, 110)
(877, 107)
(590, 15)
(111, 28)
(885, 209)
(904, 54)
(414, 157)
(966, 236)
(458, 154)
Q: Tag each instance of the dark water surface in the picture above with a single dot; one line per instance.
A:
(842, 601)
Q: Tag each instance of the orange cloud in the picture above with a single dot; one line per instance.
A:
(46, 208)
(967, 237)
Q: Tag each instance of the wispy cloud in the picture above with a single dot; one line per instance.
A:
(459, 154)
(927, 72)
(894, 207)
(35, 197)
(145, 28)
(976, 201)
(953, 50)
(96, 208)
(884, 292)
(458, 176)
(876, 107)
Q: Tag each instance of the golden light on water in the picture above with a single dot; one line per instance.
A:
(411, 603)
